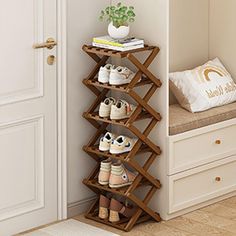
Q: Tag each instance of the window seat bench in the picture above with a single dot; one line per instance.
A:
(181, 120)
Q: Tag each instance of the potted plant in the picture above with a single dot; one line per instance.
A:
(119, 17)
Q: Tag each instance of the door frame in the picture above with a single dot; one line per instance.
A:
(62, 107)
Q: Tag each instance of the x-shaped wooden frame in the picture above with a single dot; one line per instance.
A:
(102, 128)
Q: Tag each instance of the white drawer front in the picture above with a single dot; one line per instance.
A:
(201, 149)
(201, 184)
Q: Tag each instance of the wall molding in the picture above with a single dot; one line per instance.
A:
(62, 107)
(79, 207)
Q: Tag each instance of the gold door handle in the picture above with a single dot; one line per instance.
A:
(49, 44)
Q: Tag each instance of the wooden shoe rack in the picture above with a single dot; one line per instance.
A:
(143, 146)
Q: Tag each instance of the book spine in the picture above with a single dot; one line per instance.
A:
(118, 48)
(100, 41)
(108, 46)
(133, 43)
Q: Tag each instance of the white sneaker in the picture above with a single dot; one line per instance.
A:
(122, 144)
(121, 75)
(104, 73)
(105, 142)
(105, 107)
(121, 110)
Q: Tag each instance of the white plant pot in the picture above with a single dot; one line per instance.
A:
(118, 33)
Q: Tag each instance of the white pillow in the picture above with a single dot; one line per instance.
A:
(204, 87)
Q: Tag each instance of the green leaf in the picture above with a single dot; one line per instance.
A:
(131, 20)
(101, 18)
(125, 18)
(131, 8)
(112, 8)
(122, 12)
(131, 14)
(119, 4)
(115, 19)
(102, 13)
(124, 8)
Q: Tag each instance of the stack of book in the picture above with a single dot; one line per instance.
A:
(118, 45)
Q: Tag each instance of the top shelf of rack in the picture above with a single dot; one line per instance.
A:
(114, 53)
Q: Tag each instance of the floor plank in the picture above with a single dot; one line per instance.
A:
(221, 210)
(194, 227)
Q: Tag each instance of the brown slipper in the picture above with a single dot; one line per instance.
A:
(117, 208)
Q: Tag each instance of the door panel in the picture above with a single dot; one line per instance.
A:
(18, 31)
(24, 192)
(28, 116)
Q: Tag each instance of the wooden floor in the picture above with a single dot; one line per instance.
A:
(218, 219)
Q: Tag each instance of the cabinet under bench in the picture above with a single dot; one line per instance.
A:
(201, 184)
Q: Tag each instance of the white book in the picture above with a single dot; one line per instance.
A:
(118, 48)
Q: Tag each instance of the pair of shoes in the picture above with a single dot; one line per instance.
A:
(116, 145)
(115, 207)
(116, 110)
(114, 174)
(115, 76)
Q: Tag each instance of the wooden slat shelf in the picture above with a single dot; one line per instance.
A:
(114, 53)
(94, 149)
(124, 191)
(120, 88)
(121, 225)
(143, 145)
(94, 116)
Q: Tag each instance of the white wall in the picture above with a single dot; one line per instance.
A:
(189, 33)
(223, 32)
(83, 24)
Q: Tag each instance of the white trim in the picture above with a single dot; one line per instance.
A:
(76, 208)
(62, 107)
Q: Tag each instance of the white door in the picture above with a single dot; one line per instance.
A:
(28, 118)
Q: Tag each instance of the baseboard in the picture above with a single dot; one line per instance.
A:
(79, 207)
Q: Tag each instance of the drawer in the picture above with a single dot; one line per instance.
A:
(202, 184)
(190, 151)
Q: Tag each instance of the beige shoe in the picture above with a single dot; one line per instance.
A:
(105, 107)
(117, 208)
(121, 110)
(122, 144)
(121, 75)
(105, 171)
(120, 176)
(105, 142)
(104, 204)
(104, 73)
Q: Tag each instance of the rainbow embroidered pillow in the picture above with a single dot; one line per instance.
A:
(204, 87)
